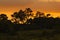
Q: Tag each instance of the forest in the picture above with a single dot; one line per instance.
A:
(28, 21)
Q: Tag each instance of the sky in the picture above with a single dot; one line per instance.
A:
(47, 6)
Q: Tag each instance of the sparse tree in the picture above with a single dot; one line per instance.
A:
(39, 14)
(19, 16)
(3, 17)
(48, 15)
(28, 12)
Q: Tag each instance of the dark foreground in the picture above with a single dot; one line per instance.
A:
(45, 34)
(40, 28)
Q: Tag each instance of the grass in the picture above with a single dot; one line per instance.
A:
(31, 35)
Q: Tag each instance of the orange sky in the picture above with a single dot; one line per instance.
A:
(48, 6)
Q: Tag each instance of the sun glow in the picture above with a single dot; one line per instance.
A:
(52, 14)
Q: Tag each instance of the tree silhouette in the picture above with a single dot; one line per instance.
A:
(3, 17)
(40, 21)
(19, 16)
(48, 15)
(15, 17)
(39, 14)
(29, 21)
(28, 12)
(3, 22)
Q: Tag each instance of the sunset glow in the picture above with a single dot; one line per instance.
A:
(47, 6)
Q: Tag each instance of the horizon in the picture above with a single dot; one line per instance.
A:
(54, 15)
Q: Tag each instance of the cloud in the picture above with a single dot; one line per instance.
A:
(13, 2)
(10, 6)
(42, 5)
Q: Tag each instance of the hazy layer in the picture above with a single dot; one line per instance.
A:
(47, 6)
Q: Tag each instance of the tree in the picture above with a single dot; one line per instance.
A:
(48, 15)
(15, 17)
(3, 20)
(3, 17)
(39, 14)
(28, 12)
(29, 21)
(19, 16)
(5, 24)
